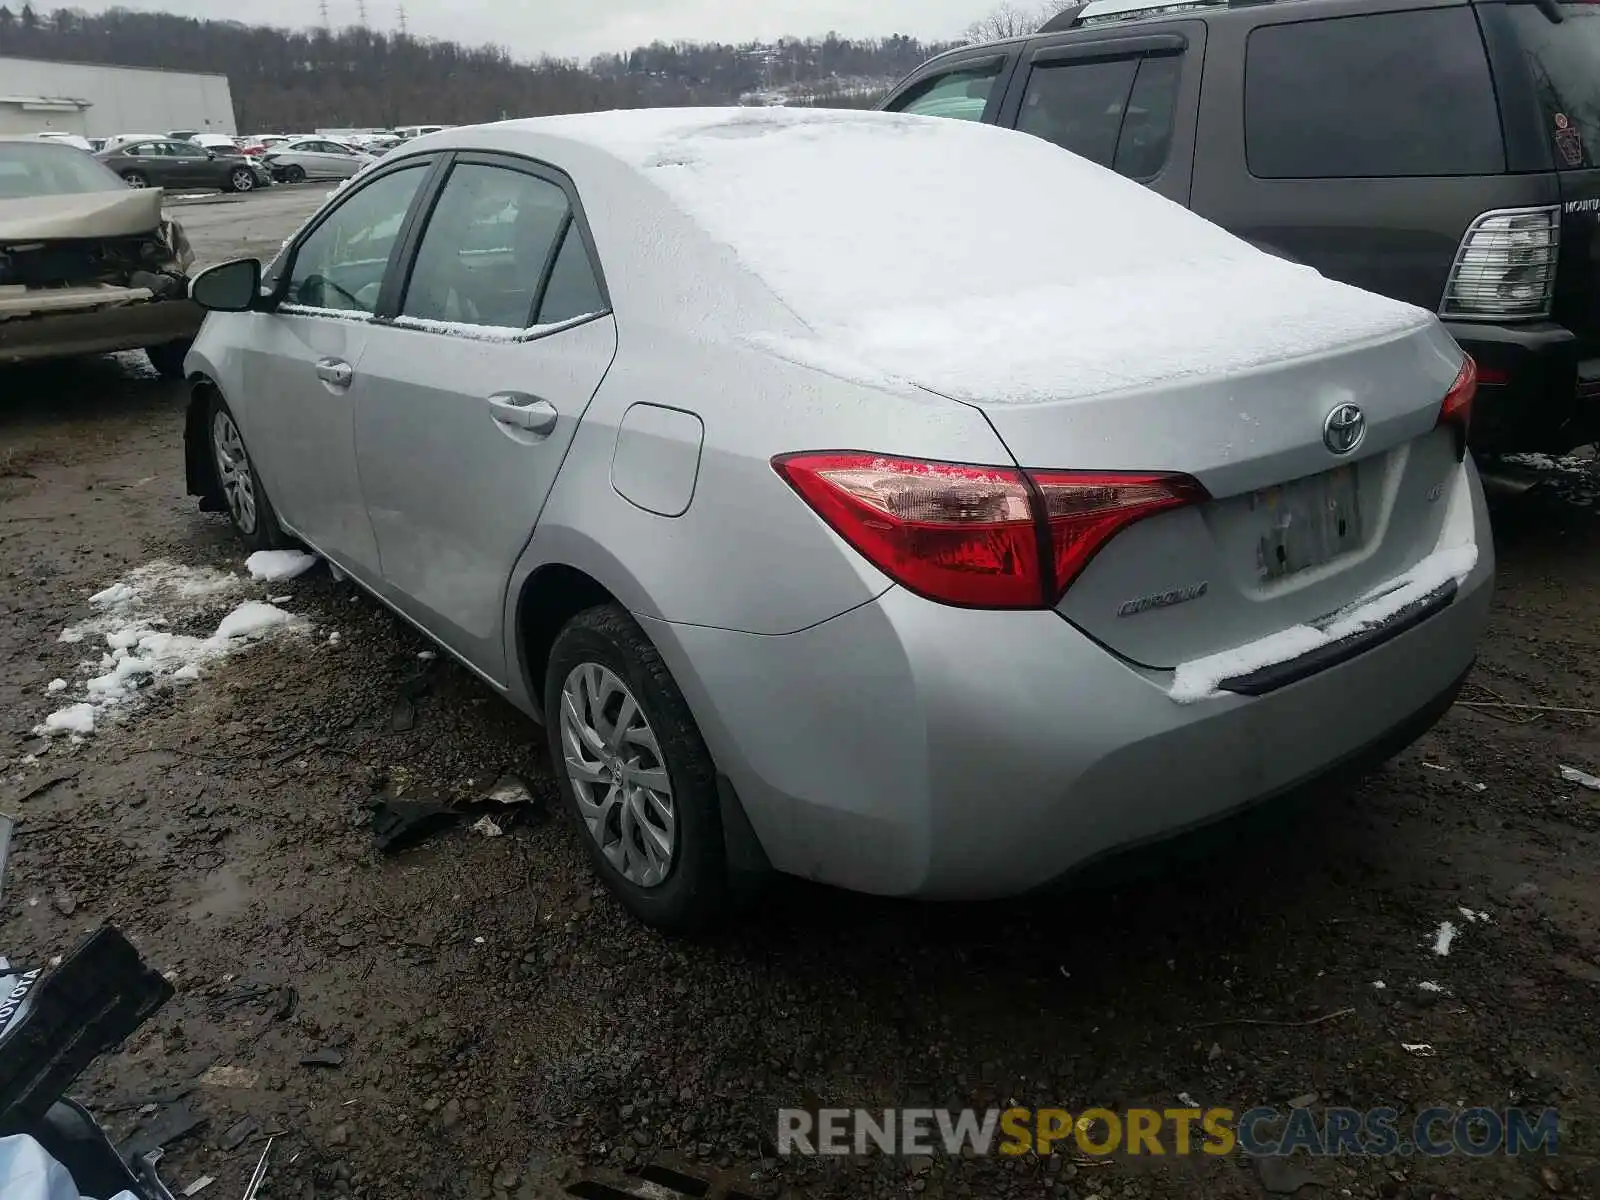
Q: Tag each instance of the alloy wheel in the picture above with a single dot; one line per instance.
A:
(233, 472)
(614, 762)
(243, 181)
(135, 181)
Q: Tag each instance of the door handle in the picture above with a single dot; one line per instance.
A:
(335, 371)
(518, 410)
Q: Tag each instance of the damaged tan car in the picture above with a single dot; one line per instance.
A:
(87, 264)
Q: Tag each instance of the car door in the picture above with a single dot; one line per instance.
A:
(152, 161)
(467, 400)
(1127, 102)
(190, 165)
(327, 161)
(302, 356)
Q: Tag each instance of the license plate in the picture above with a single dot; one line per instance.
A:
(1307, 522)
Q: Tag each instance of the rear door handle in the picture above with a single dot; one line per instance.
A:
(335, 371)
(518, 410)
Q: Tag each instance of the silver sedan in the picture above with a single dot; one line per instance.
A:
(299, 159)
(901, 503)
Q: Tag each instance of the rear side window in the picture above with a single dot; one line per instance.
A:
(1383, 96)
(962, 94)
(1115, 112)
(1565, 62)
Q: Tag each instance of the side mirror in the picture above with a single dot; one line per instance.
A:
(228, 287)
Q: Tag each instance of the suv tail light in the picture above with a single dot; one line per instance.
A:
(1455, 411)
(976, 536)
(1506, 266)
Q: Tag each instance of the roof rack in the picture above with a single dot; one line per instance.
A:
(1100, 12)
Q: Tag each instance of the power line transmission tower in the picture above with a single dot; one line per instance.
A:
(361, 9)
(402, 20)
(322, 7)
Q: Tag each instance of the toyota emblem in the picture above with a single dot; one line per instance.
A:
(1344, 428)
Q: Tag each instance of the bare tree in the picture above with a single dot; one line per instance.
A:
(1013, 20)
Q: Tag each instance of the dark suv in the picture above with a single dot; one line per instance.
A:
(1443, 153)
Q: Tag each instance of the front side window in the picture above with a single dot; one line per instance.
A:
(961, 94)
(1565, 61)
(341, 264)
(1389, 95)
(486, 247)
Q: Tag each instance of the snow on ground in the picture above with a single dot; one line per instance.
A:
(275, 566)
(1443, 937)
(133, 620)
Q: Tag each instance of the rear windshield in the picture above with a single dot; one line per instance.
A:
(42, 169)
(1565, 61)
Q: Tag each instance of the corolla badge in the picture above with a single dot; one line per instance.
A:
(1343, 428)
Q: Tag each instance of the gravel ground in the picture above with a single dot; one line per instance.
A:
(491, 1024)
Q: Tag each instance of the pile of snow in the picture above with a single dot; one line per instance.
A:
(1027, 274)
(133, 620)
(274, 566)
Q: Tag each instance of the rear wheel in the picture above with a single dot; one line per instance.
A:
(135, 179)
(294, 173)
(168, 359)
(634, 773)
(249, 509)
(242, 180)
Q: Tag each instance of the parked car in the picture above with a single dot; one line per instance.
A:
(87, 266)
(77, 141)
(1440, 153)
(216, 141)
(696, 434)
(165, 163)
(300, 159)
(122, 139)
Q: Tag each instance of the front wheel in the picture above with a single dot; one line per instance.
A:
(249, 509)
(634, 773)
(168, 359)
(242, 180)
(135, 179)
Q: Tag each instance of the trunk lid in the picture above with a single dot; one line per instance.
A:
(1292, 532)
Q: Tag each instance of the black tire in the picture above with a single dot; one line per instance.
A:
(294, 173)
(168, 359)
(136, 179)
(242, 180)
(256, 523)
(694, 892)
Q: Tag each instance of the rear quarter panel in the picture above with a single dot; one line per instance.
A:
(747, 554)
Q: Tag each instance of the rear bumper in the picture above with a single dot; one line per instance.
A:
(1535, 392)
(98, 331)
(908, 748)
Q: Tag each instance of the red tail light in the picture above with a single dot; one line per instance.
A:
(975, 536)
(1455, 410)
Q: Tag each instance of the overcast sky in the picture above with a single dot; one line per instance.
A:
(581, 28)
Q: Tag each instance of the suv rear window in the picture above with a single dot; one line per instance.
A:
(1382, 96)
(1565, 63)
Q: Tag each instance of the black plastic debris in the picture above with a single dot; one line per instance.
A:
(166, 1128)
(55, 1022)
(404, 716)
(324, 1057)
(238, 1134)
(397, 824)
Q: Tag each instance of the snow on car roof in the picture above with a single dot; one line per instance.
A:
(982, 262)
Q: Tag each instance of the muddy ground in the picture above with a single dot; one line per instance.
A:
(500, 1027)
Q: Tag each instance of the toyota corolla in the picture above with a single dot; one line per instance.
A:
(900, 503)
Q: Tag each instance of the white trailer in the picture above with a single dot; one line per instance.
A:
(38, 96)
